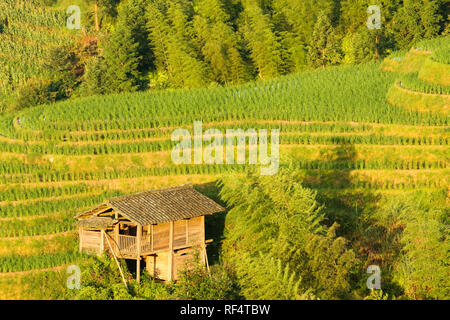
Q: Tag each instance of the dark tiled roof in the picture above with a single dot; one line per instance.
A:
(164, 205)
(95, 222)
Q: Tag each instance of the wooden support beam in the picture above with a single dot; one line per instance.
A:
(138, 249)
(151, 235)
(116, 235)
(102, 241)
(202, 238)
(203, 229)
(117, 261)
(170, 264)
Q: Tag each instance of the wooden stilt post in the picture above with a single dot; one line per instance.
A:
(138, 249)
(116, 235)
(206, 259)
(170, 264)
(203, 239)
(152, 238)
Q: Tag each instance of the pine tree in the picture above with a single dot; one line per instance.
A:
(65, 64)
(135, 19)
(263, 42)
(169, 33)
(363, 45)
(295, 21)
(218, 42)
(416, 20)
(94, 79)
(122, 59)
(324, 48)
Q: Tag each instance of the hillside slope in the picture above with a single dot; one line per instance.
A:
(335, 124)
(423, 82)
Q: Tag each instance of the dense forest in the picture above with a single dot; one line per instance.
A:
(138, 45)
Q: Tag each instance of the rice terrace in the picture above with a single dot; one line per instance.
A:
(363, 150)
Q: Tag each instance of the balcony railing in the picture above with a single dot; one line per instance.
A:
(126, 245)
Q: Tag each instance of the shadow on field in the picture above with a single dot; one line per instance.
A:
(353, 208)
(336, 188)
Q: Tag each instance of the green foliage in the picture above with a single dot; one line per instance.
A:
(35, 92)
(185, 44)
(262, 277)
(29, 31)
(416, 20)
(330, 264)
(324, 48)
(362, 46)
(442, 54)
(122, 55)
(169, 27)
(64, 63)
(263, 41)
(376, 295)
(101, 280)
(281, 219)
(423, 266)
(218, 42)
(195, 283)
(95, 78)
(278, 244)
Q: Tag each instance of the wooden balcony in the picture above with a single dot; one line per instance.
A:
(125, 246)
(165, 247)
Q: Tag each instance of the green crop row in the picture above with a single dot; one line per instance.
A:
(386, 184)
(37, 226)
(433, 44)
(21, 193)
(165, 145)
(43, 207)
(17, 167)
(31, 13)
(224, 168)
(18, 263)
(344, 94)
(412, 82)
(442, 55)
(54, 135)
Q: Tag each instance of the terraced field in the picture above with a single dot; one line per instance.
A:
(336, 125)
(28, 30)
(423, 82)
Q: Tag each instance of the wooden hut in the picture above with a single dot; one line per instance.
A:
(161, 227)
